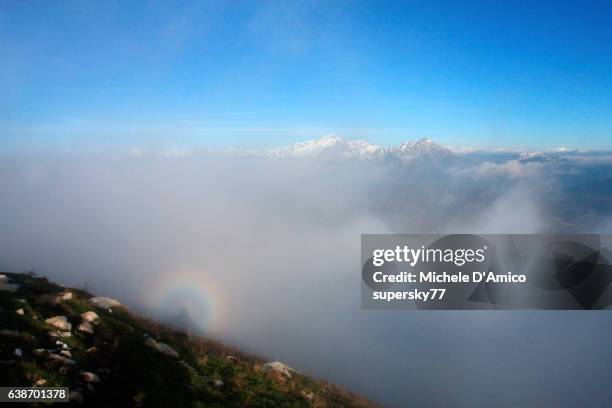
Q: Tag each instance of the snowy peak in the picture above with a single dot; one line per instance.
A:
(334, 147)
(330, 146)
(539, 157)
(418, 150)
(423, 143)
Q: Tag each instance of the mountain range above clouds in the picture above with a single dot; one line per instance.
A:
(337, 147)
(420, 151)
(423, 150)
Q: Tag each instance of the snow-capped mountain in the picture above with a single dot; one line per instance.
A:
(539, 157)
(336, 147)
(331, 146)
(422, 149)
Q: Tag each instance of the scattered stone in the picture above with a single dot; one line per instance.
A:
(89, 316)
(66, 353)
(90, 377)
(62, 296)
(217, 383)
(18, 352)
(61, 359)
(20, 312)
(104, 302)
(309, 395)
(55, 333)
(166, 349)
(59, 322)
(161, 347)
(76, 397)
(63, 345)
(6, 286)
(40, 383)
(9, 287)
(9, 333)
(85, 327)
(278, 367)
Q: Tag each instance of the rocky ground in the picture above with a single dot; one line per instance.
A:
(107, 356)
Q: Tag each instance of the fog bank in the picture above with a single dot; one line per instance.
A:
(264, 253)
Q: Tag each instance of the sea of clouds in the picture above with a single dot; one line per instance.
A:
(263, 253)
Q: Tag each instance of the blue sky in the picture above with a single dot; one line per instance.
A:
(530, 74)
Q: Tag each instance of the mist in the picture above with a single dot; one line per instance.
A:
(263, 253)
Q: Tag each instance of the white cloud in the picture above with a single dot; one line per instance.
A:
(511, 168)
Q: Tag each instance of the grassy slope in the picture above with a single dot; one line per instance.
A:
(134, 374)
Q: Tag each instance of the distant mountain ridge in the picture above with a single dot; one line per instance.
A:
(337, 147)
(539, 157)
(330, 146)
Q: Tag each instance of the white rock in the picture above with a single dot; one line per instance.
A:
(217, 383)
(63, 296)
(104, 302)
(90, 377)
(20, 312)
(63, 345)
(150, 341)
(59, 322)
(279, 367)
(85, 328)
(166, 349)
(3, 278)
(89, 317)
(54, 333)
(40, 383)
(18, 352)
(61, 359)
(9, 287)
(309, 395)
(66, 353)
(161, 347)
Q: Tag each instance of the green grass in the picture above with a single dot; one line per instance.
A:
(134, 374)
